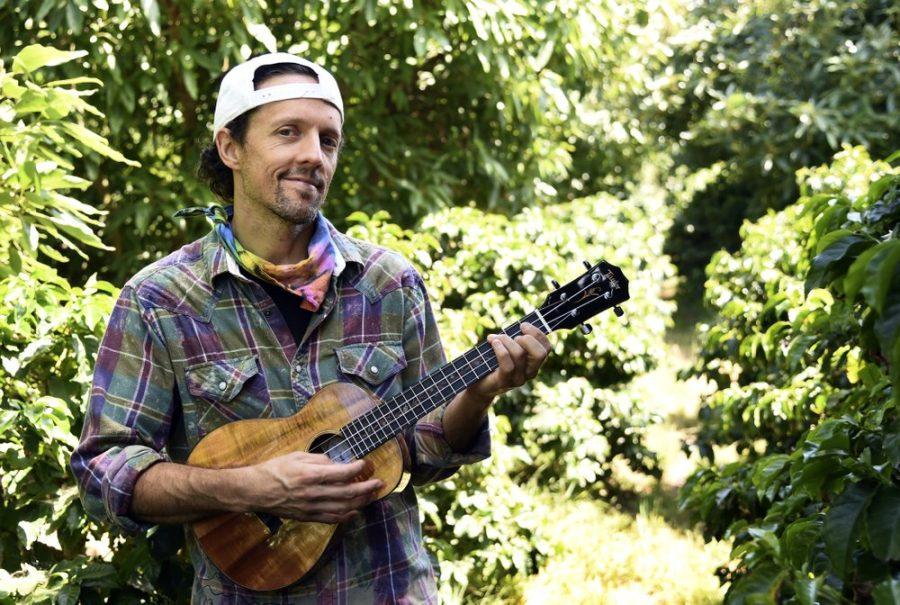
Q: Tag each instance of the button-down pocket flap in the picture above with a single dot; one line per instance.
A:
(220, 380)
(374, 362)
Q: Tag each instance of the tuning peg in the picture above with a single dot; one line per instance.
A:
(586, 329)
(618, 311)
(587, 265)
(555, 283)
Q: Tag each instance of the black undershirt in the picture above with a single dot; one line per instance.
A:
(296, 317)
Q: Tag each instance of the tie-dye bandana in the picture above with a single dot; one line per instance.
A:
(307, 279)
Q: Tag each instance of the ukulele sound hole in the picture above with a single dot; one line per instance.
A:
(333, 446)
(272, 522)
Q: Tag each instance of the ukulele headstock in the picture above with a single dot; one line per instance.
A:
(601, 287)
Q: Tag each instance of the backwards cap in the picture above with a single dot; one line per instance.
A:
(237, 94)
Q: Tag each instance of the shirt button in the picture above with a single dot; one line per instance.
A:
(268, 312)
(373, 369)
(222, 385)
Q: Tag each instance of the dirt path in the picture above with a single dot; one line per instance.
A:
(649, 556)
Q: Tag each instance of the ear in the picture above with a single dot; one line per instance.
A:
(229, 149)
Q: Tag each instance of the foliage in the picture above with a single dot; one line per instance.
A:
(806, 351)
(447, 102)
(50, 331)
(760, 89)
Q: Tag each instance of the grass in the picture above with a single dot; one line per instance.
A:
(605, 556)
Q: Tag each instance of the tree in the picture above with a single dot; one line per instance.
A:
(756, 90)
(447, 104)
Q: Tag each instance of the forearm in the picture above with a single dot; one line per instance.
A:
(176, 493)
(463, 419)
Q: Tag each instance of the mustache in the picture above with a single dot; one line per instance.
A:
(313, 177)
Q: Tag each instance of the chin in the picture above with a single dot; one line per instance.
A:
(299, 213)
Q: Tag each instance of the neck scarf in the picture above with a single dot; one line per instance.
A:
(307, 279)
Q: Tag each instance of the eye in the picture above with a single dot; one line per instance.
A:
(287, 131)
(329, 142)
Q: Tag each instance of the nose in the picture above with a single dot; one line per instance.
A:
(308, 150)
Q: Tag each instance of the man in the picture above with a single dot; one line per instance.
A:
(250, 321)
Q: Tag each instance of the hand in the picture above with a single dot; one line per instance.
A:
(311, 487)
(518, 361)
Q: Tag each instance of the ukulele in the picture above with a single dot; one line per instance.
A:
(263, 552)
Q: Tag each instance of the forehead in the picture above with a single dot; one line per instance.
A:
(311, 111)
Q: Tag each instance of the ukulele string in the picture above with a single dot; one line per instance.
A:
(380, 414)
(553, 323)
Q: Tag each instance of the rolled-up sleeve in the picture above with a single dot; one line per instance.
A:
(129, 414)
(433, 459)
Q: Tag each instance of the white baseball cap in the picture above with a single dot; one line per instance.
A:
(237, 94)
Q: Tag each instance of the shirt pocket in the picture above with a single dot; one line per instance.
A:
(227, 390)
(373, 365)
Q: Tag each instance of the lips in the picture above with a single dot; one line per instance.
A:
(306, 181)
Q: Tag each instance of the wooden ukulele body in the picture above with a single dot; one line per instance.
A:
(262, 552)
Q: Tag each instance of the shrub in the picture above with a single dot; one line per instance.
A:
(50, 330)
(806, 353)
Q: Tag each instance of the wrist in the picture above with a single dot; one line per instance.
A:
(236, 493)
(478, 399)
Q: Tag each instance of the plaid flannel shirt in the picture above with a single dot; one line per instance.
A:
(193, 344)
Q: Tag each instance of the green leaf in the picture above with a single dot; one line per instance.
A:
(36, 56)
(798, 539)
(151, 12)
(807, 590)
(190, 82)
(68, 595)
(15, 261)
(856, 274)
(766, 472)
(842, 524)
(758, 586)
(880, 274)
(96, 142)
(31, 101)
(74, 81)
(883, 523)
(830, 238)
(888, 592)
(835, 253)
(262, 34)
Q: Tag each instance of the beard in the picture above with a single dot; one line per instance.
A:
(298, 205)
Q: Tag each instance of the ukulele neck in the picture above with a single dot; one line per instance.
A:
(398, 414)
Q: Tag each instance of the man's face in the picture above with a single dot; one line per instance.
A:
(289, 155)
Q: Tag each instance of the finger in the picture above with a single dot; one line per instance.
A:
(535, 354)
(531, 330)
(346, 492)
(504, 360)
(516, 352)
(310, 458)
(338, 503)
(518, 355)
(339, 473)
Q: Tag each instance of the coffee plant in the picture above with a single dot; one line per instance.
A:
(805, 352)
